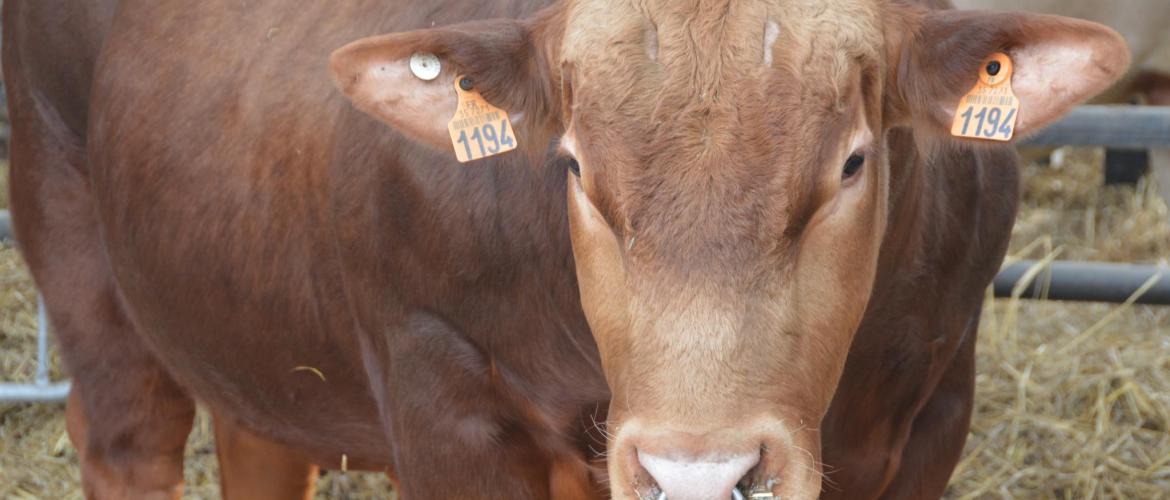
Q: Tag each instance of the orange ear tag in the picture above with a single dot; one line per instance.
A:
(478, 129)
(989, 110)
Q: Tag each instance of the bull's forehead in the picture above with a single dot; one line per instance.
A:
(711, 41)
(717, 71)
(704, 139)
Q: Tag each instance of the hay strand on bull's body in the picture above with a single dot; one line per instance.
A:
(1089, 423)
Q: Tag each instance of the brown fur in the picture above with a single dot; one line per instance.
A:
(213, 214)
(1154, 87)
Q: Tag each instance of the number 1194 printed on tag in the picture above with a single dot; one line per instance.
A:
(990, 123)
(486, 140)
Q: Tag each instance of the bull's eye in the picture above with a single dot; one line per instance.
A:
(574, 167)
(852, 166)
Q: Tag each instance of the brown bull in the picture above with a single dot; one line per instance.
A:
(763, 274)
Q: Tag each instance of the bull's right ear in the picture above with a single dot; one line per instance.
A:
(502, 59)
(1058, 63)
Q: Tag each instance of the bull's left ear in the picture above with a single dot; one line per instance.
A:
(503, 59)
(1058, 63)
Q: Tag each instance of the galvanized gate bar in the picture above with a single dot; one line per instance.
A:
(5, 226)
(42, 389)
(1088, 282)
(1137, 127)
(34, 393)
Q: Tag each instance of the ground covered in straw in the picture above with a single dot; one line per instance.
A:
(1073, 400)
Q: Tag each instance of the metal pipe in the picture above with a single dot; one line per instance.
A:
(1088, 282)
(42, 375)
(6, 226)
(1137, 127)
(34, 393)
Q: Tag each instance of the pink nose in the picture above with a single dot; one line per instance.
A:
(703, 479)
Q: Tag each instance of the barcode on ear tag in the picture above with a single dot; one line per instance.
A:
(479, 129)
(989, 111)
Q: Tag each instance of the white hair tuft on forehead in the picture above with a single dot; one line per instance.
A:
(771, 33)
(652, 42)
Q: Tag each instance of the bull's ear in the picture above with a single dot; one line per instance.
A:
(502, 59)
(1058, 63)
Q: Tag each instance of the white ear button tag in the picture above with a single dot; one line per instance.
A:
(425, 66)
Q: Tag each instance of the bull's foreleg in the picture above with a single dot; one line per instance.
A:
(252, 467)
(134, 451)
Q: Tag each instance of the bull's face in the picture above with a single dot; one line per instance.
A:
(726, 221)
(729, 192)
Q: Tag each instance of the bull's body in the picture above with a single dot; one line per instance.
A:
(205, 213)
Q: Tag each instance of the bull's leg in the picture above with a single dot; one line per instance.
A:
(253, 467)
(127, 417)
(939, 432)
(132, 455)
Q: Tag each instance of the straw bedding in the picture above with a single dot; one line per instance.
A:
(1073, 400)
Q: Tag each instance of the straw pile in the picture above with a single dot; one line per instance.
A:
(1073, 400)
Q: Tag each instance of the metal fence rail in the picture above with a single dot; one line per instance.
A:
(5, 226)
(1138, 127)
(42, 389)
(1085, 282)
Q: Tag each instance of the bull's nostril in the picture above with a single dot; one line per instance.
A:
(735, 495)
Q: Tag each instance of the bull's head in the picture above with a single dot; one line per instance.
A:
(731, 190)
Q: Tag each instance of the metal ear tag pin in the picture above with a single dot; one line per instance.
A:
(425, 66)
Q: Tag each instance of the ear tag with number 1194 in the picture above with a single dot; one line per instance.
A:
(989, 111)
(478, 129)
